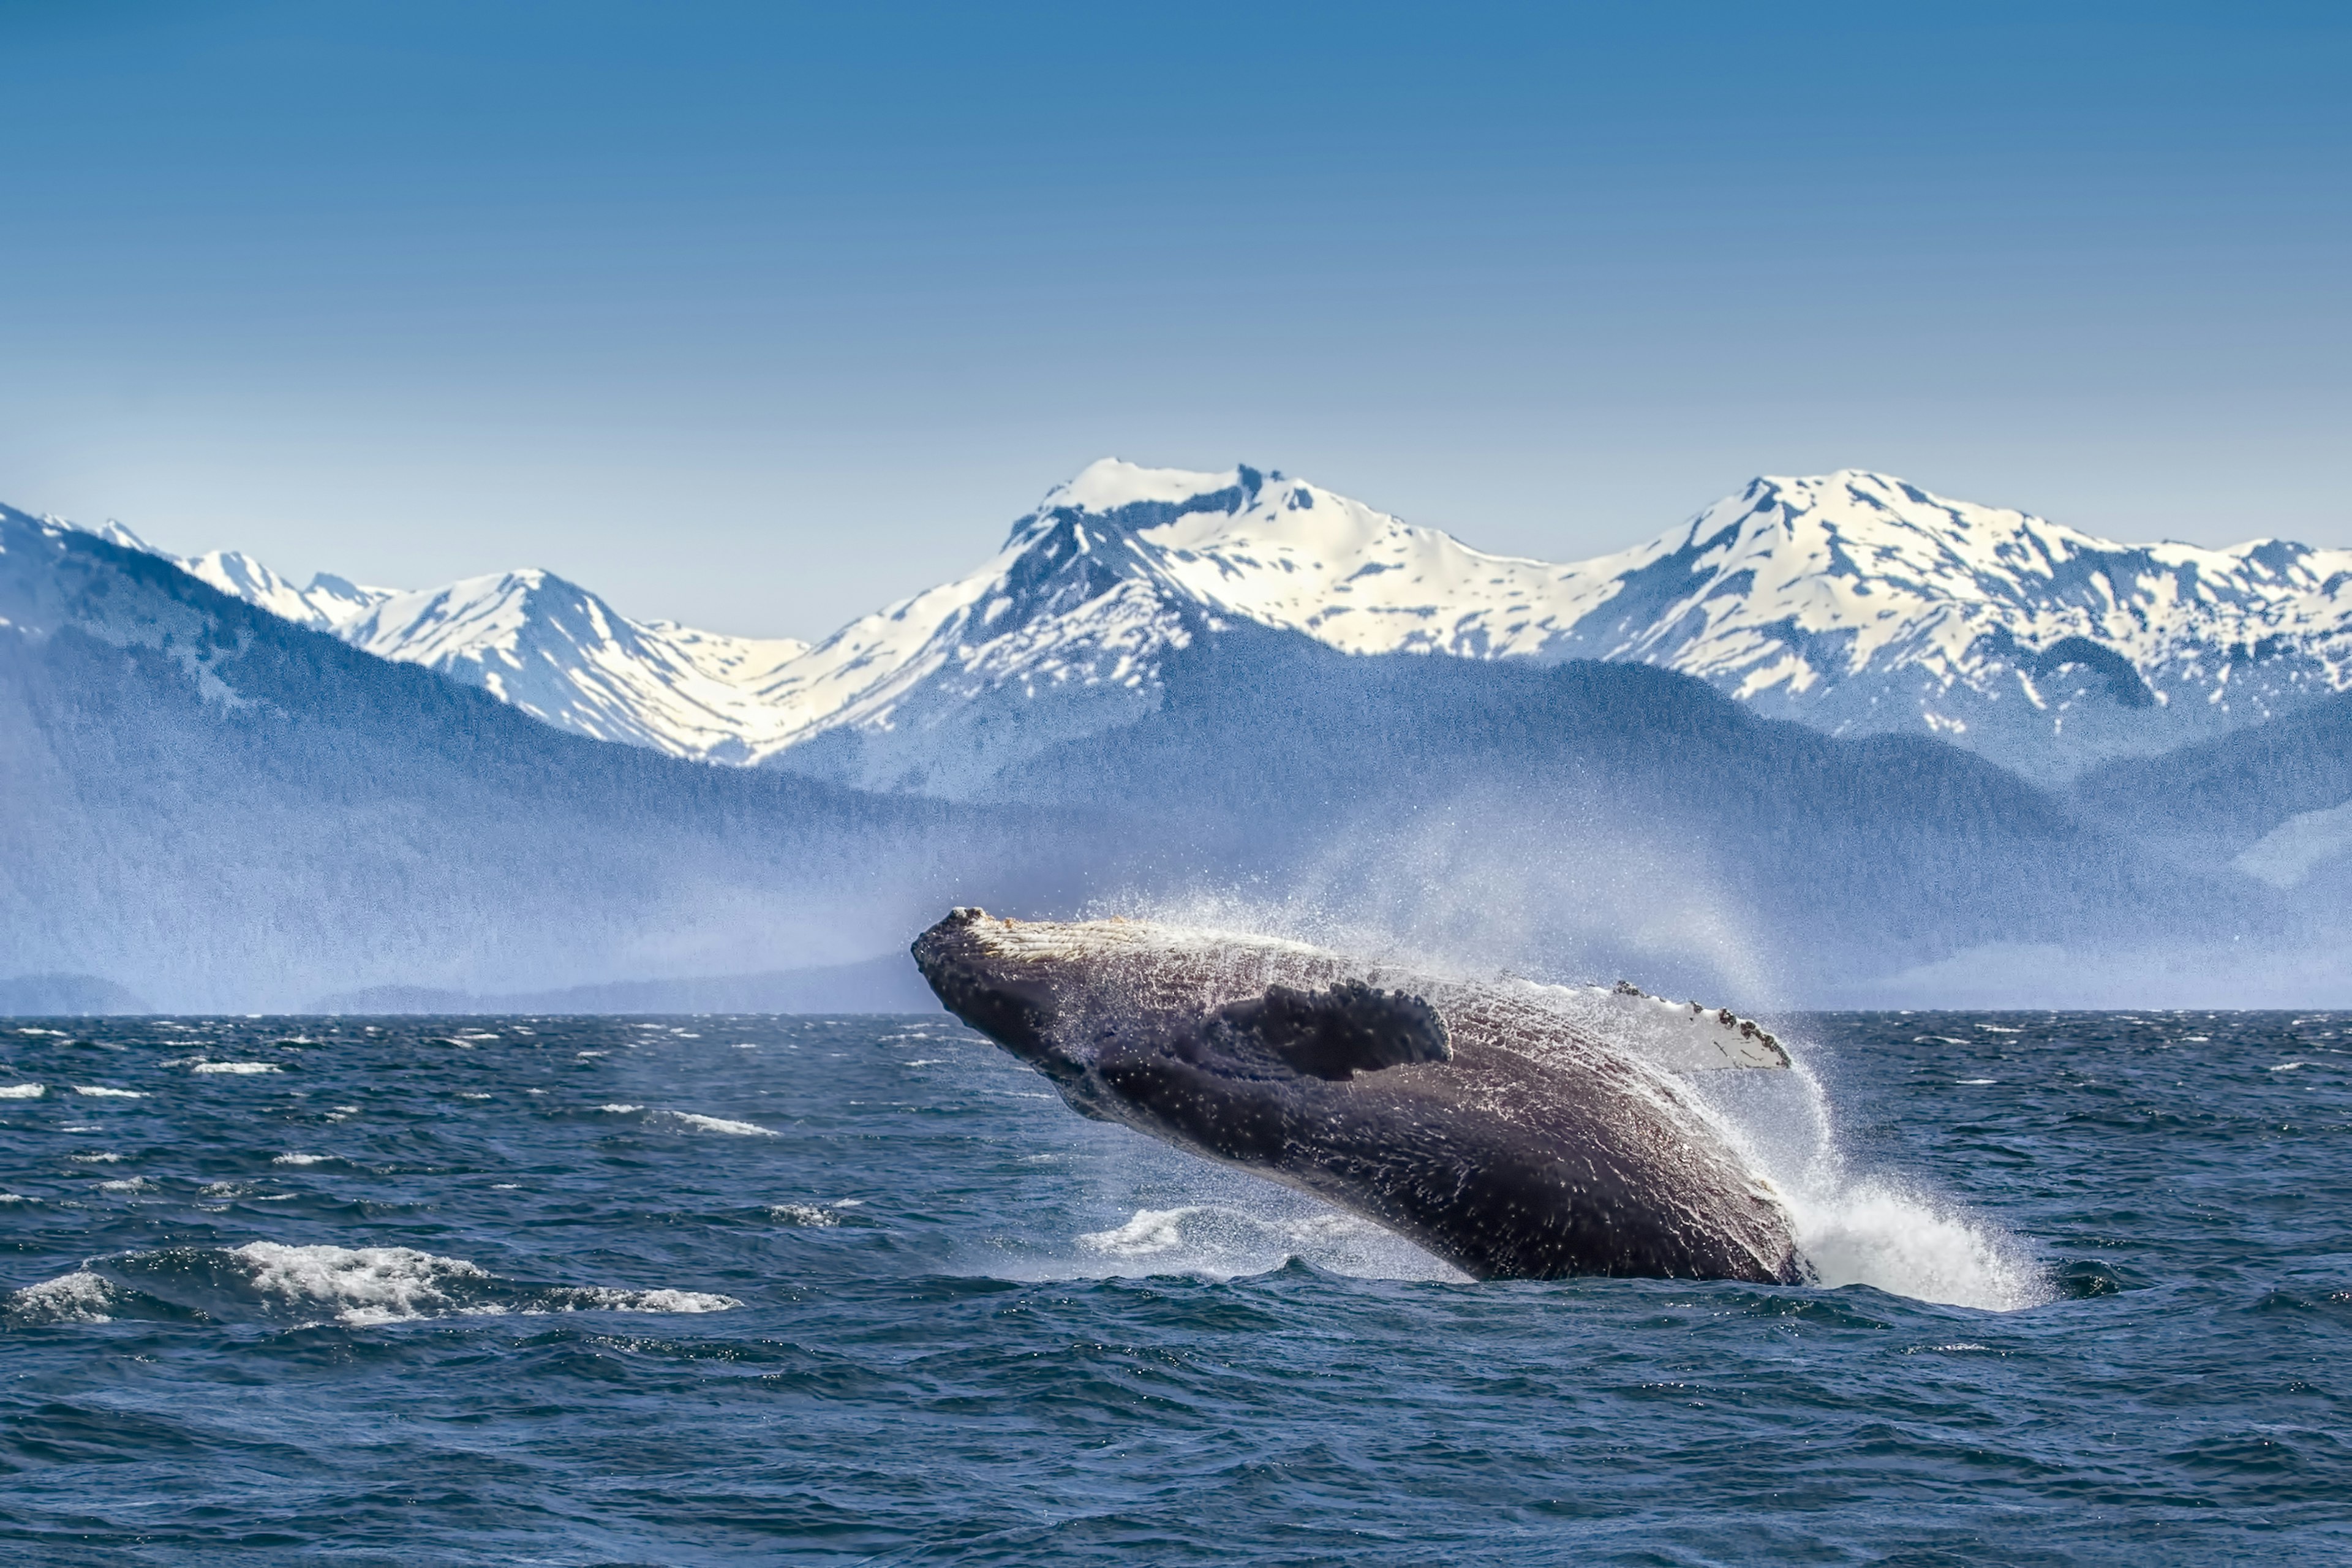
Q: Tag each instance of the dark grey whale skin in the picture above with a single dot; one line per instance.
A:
(1504, 1165)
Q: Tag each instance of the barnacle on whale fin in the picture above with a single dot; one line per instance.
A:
(1689, 1035)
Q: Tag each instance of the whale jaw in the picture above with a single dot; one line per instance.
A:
(1000, 997)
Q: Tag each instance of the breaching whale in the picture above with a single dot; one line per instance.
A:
(1517, 1131)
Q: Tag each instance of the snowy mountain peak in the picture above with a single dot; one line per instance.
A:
(1853, 601)
(1111, 485)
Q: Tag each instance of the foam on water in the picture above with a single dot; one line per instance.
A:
(357, 1287)
(100, 1092)
(362, 1284)
(22, 1090)
(1225, 1240)
(80, 1297)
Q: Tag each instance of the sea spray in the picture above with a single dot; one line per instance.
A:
(1865, 1227)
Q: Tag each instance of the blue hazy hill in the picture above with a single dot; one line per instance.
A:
(215, 807)
(1590, 817)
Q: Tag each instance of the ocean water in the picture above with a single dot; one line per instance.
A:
(720, 1289)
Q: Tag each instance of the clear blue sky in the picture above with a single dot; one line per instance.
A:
(756, 316)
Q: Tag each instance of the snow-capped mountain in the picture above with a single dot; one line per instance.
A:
(1854, 602)
(560, 654)
(532, 639)
(1858, 603)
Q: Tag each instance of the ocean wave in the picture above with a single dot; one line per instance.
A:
(355, 1287)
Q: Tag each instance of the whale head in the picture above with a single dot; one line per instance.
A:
(1000, 985)
(1088, 1003)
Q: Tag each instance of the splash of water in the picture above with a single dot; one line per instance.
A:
(1852, 1227)
(1866, 1228)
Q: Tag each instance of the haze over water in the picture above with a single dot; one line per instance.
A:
(716, 1289)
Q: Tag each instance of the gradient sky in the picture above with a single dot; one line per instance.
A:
(758, 316)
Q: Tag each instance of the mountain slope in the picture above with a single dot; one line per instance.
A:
(533, 640)
(2275, 800)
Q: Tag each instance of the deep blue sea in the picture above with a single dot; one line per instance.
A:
(728, 1289)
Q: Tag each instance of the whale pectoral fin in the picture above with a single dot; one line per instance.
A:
(1340, 1032)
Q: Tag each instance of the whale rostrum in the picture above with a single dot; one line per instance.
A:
(1517, 1131)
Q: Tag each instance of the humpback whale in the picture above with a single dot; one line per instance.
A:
(1517, 1131)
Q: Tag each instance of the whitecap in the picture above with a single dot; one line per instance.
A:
(695, 1122)
(234, 1067)
(370, 1285)
(80, 1297)
(618, 1109)
(131, 1185)
(809, 1215)
(100, 1092)
(22, 1090)
(95, 1159)
(363, 1284)
(301, 1159)
(605, 1299)
(2289, 1066)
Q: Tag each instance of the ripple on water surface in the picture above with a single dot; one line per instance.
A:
(717, 1290)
